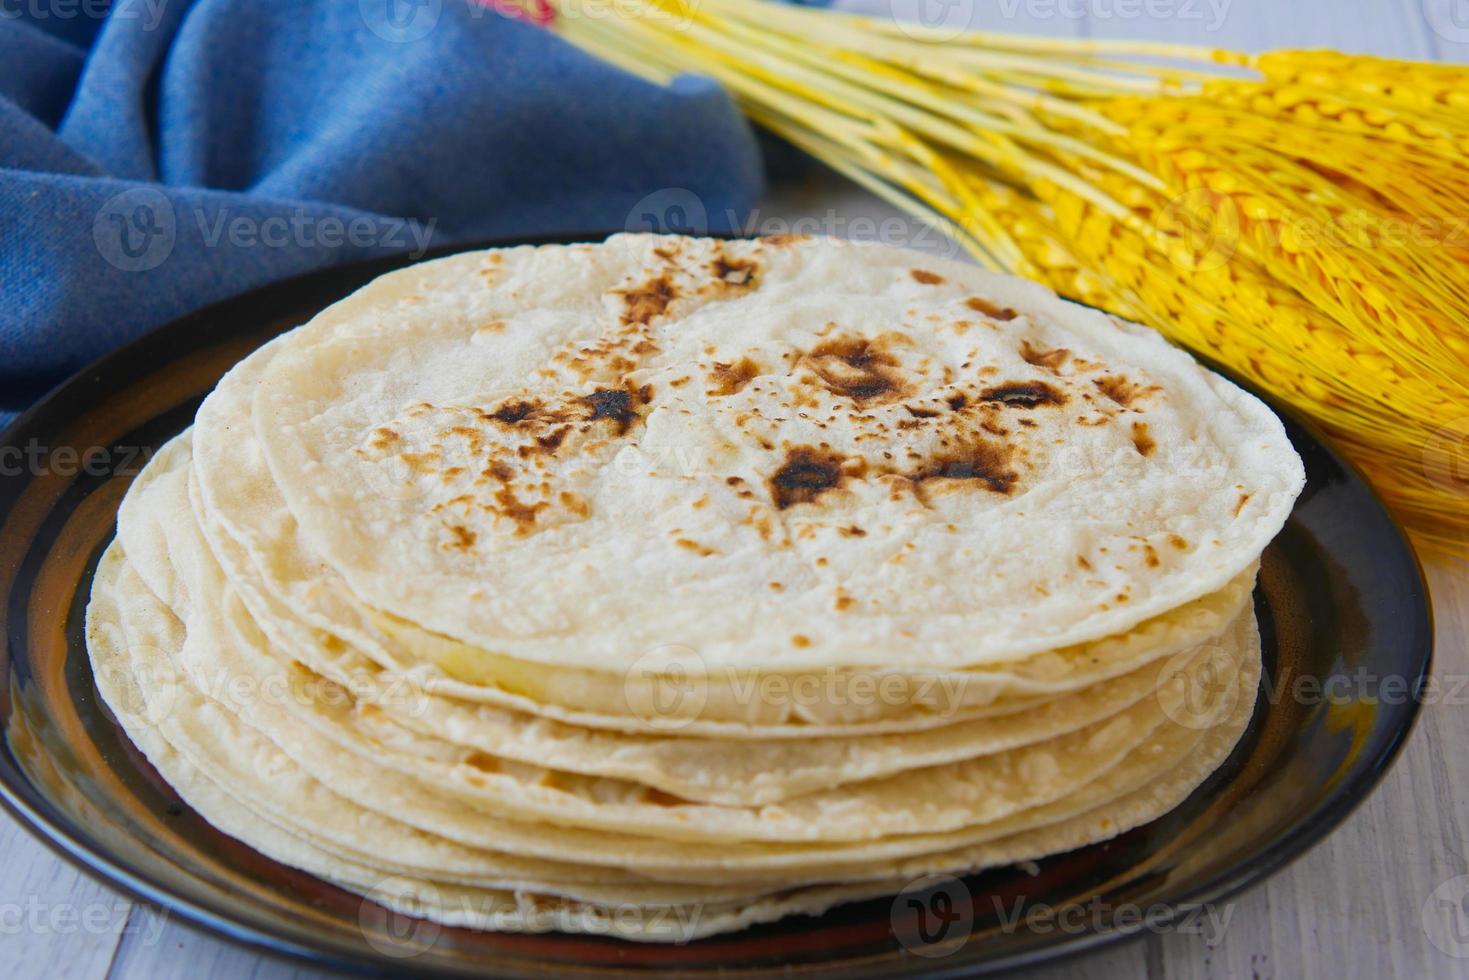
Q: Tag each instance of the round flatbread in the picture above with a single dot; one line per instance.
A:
(578, 455)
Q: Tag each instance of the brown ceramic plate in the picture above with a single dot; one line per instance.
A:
(1342, 607)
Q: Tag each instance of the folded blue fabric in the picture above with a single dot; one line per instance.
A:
(158, 155)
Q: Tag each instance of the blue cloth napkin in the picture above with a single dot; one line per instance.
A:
(159, 155)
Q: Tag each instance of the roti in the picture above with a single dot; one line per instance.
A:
(578, 455)
(136, 639)
(664, 586)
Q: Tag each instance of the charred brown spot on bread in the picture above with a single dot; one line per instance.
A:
(925, 277)
(782, 240)
(1142, 439)
(514, 411)
(957, 400)
(805, 475)
(1244, 498)
(463, 430)
(464, 538)
(382, 438)
(1178, 541)
(616, 405)
(423, 464)
(727, 379)
(500, 470)
(986, 463)
(735, 272)
(981, 305)
(512, 507)
(552, 440)
(921, 412)
(702, 550)
(801, 640)
(740, 487)
(575, 503)
(1023, 394)
(1042, 357)
(1119, 389)
(641, 304)
(860, 369)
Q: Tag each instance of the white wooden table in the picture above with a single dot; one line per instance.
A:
(1359, 905)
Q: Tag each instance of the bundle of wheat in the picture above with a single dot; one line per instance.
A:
(1296, 216)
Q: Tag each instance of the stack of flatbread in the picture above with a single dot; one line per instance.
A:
(664, 586)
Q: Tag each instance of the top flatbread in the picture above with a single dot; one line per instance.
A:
(776, 454)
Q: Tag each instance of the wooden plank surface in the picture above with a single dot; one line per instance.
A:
(1366, 903)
